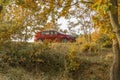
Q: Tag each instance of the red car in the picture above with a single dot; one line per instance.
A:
(53, 35)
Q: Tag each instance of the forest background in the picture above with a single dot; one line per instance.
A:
(98, 20)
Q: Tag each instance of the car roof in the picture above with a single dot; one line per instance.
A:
(49, 30)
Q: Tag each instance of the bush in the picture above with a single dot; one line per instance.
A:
(72, 59)
(30, 56)
(89, 47)
(46, 57)
(104, 41)
(59, 60)
(22, 53)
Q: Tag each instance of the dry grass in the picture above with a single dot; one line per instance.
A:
(61, 62)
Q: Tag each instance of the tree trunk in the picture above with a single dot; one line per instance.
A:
(115, 69)
(1, 8)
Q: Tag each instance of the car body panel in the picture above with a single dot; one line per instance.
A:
(53, 35)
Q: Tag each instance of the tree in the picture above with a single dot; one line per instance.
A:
(27, 16)
(115, 73)
(111, 6)
(80, 18)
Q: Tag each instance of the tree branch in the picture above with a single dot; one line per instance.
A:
(54, 3)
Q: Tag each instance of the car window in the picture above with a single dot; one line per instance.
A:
(45, 32)
(53, 32)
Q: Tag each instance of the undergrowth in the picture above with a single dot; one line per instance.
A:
(48, 61)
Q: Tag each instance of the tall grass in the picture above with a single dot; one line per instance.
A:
(45, 61)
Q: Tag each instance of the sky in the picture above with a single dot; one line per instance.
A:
(63, 23)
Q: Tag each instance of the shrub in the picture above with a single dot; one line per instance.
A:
(45, 57)
(89, 47)
(15, 53)
(104, 41)
(30, 56)
(72, 59)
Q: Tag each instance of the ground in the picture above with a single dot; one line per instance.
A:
(93, 66)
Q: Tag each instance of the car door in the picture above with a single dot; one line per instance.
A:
(53, 35)
(45, 35)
